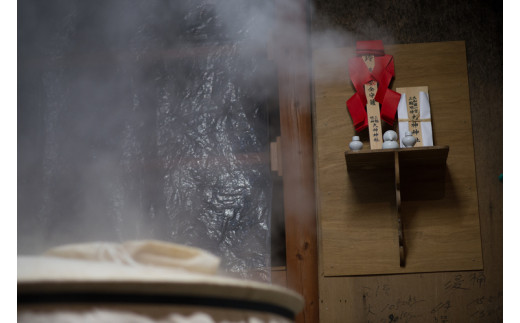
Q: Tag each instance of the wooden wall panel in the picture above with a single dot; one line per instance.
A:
(357, 222)
(461, 296)
(429, 297)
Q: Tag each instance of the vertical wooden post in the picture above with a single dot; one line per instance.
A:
(400, 232)
(292, 55)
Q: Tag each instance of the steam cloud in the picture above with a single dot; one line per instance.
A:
(149, 120)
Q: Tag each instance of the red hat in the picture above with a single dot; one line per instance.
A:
(370, 47)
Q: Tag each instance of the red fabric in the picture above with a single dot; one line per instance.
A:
(370, 47)
(382, 73)
(356, 107)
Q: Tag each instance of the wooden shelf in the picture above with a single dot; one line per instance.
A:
(384, 158)
(416, 163)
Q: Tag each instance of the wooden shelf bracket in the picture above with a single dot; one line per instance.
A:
(423, 159)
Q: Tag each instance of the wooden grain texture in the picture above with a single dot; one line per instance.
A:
(279, 276)
(292, 56)
(400, 235)
(427, 297)
(433, 156)
(374, 118)
(356, 215)
(373, 110)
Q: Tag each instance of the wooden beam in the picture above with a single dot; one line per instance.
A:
(292, 55)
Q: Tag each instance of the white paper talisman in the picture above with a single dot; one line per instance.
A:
(414, 115)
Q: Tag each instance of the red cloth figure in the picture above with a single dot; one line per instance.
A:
(382, 73)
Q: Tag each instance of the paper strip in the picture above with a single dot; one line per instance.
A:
(415, 115)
